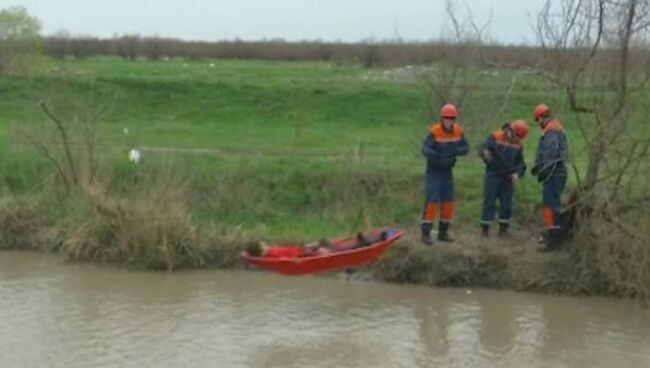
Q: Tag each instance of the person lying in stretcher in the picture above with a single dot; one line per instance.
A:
(261, 249)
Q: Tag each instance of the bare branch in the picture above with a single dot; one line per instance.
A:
(454, 80)
(621, 172)
(576, 172)
(573, 85)
(625, 49)
(45, 152)
(572, 16)
(64, 139)
(506, 100)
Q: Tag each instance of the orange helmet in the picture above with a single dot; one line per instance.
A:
(540, 110)
(448, 111)
(520, 128)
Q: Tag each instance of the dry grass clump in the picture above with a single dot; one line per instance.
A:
(22, 227)
(150, 228)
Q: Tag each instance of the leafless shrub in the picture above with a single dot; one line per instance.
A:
(462, 68)
(451, 79)
(68, 138)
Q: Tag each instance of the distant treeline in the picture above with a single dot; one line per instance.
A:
(368, 54)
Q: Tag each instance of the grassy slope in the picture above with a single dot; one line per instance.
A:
(280, 138)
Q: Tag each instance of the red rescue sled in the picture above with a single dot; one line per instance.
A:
(338, 259)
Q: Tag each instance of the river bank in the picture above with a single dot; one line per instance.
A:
(471, 261)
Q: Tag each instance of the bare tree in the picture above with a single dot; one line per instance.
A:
(152, 47)
(68, 138)
(597, 51)
(128, 46)
(453, 77)
(371, 54)
(58, 44)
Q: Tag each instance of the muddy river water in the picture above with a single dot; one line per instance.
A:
(54, 314)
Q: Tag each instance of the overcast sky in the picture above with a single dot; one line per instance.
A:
(331, 20)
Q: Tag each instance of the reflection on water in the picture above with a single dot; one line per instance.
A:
(55, 315)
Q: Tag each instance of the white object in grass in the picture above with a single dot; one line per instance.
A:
(134, 156)
(126, 131)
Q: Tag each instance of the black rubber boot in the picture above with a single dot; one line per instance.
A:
(485, 230)
(426, 234)
(443, 232)
(503, 229)
(553, 241)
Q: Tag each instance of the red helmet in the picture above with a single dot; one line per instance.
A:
(448, 111)
(540, 110)
(520, 128)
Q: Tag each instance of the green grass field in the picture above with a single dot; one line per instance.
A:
(283, 149)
